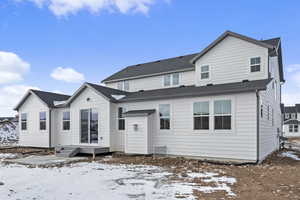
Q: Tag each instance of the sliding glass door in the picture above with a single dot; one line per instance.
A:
(89, 126)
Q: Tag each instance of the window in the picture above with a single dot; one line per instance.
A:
(205, 72)
(201, 115)
(66, 121)
(42, 120)
(121, 119)
(222, 112)
(175, 78)
(261, 111)
(291, 126)
(255, 64)
(167, 80)
(164, 116)
(24, 121)
(287, 115)
(296, 128)
(171, 79)
(268, 112)
(123, 85)
(293, 116)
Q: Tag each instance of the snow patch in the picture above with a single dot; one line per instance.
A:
(290, 154)
(8, 132)
(8, 156)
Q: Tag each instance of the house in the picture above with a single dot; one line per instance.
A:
(291, 118)
(222, 103)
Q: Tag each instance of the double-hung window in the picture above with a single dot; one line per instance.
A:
(24, 121)
(287, 115)
(255, 64)
(171, 79)
(205, 72)
(121, 119)
(222, 114)
(201, 115)
(293, 128)
(66, 121)
(164, 116)
(296, 128)
(43, 121)
(293, 116)
(123, 85)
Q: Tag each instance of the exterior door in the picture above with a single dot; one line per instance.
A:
(89, 126)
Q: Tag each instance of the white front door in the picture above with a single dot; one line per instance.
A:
(89, 121)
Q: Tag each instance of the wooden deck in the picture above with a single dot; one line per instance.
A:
(72, 150)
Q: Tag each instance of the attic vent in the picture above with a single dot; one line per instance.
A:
(210, 84)
(141, 90)
(246, 80)
(181, 86)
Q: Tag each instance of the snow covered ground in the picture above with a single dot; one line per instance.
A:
(94, 181)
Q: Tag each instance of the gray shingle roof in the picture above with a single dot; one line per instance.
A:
(181, 63)
(292, 121)
(193, 91)
(184, 63)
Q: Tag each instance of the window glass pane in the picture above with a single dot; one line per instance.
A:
(205, 68)
(201, 123)
(42, 115)
(201, 108)
(176, 79)
(23, 117)
(126, 85)
(66, 115)
(290, 128)
(24, 125)
(164, 123)
(222, 107)
(164, 110)
(120, 85)
(255, 68)
(255, 61)
(121, 125)
(93, 126)
(42, 125)
(223, 122)
(167, 80)
(66, 125)
(204, 75)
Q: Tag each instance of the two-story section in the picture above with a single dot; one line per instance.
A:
(291, 121)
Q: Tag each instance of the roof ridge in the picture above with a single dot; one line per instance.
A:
(35, 90)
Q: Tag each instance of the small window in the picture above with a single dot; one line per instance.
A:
(291, 128)
(120, 85)
(121, 119)
(164, 116)
(66, 121)
(287, 115)
(255, 64)
(24, 121)
(123, 85)
(205, 72)
(293, 116)
(126, 85)
(222, 112)
(167, 80)
(201, 116)
(175, 78)
(296, 128)
(42, 121)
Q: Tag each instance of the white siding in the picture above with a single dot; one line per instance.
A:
(182, 140)
(33, 136)
(97, 102)
(60, 136)
(268, 137)
(156, 82)
(229, 61)
(136, 140)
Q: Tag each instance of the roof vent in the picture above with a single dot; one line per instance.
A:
(246, 80)
(181, 86)
(210, 84)
(141, 90)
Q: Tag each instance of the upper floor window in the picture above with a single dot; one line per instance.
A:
(222, 111)
(293, 116)
(287, 115)
(164, 116)
(121, 119)
(42, 120)
(201, 115)
(293, 128)
(123, 85)
(66, 121)
(255, 64)
(171, 79)
(24, 121)
(205, 72)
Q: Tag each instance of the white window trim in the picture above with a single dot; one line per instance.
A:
(171, 127)
(25, 130)
(62, 120)
(45, 130)
(202, 131)
(250, 65)
(171, 80)
(123, 110)
(209, 73)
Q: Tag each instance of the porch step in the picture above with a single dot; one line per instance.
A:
(66, 151)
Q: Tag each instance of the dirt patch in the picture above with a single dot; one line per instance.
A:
(277, 178)
(26, 150)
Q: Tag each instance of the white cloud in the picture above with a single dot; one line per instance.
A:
(10, 96)
(291, 99)
(295, 78)
(67, 74)
(12, 67)
(67, 7)
(293, 68)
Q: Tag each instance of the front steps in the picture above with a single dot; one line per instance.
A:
(66, 152)
(73, 150)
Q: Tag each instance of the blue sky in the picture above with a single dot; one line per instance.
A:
(89, 40)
